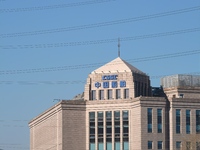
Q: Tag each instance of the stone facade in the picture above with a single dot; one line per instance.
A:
(67, 125)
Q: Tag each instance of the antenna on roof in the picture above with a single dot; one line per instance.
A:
(118, 47)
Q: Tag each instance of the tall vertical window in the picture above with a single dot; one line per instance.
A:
(178, 121)
(159, 120)
(145, 89)
(188, 121)
(101, 94)
(125, 130)
(100, 130)
(149, 120)
(188, 145)
(126, 93)
(92, 130)
(117, 129)
(139, 89)
(150, 145)
(93, 95)
(136, 89)
(110, 94)
(178, 145)
(118, 93)
(108, 130)
(197, 121)
(197, 145)
(160, 145)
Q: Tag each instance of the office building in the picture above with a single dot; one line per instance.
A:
(119, 111)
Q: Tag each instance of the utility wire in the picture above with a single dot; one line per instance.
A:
(70, 82)
(25, 9)
(66, 44)
(62, 68)
(102, 24)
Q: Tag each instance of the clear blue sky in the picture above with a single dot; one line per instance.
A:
(25, 95)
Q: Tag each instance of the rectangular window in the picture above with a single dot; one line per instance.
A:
(109, 130)
(159, 120)
(125, 127)
(100, 146)
(126, 93)
(125, 146)
(110, 94)
(188, 121)
(101, 94)
(149, 120)
(197, 121)
(117, 126)
(150, 144)
(93, 95)
(197, 145)
(92, 130)
(118, 93)
(92, 146)
(178, 145)
(188, 145)
(181, 95)
(108, 146)
(117, 145)
(178, 121)
(100, 129)
(160, 144)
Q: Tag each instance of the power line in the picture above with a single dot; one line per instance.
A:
(83, 66)
(68, 82)
(25, 9)
(102, 24)
(66, 44)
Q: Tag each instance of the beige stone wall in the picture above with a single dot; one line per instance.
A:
(182, 104)
(188, 92)
(155, 103)
(135, 130)
(45, 131)
(74, 128)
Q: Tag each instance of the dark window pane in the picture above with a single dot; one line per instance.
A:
(118, 93)
(110, 94)
(188, 121)
(150, 144)
(159, 120)
(149, 120)
(92, 115)
(178, 121)
(108, 123)
(100, 140)
(92, 124)
(125, 139)
(125, 115)
(125, 129)
(108, 139)
(92, 130)
(101, 94)
(159, 144)
(109, 130)
(117, 129)
(93, 95)
(125, 122)
(100, 130)
(117, 123)
(197, 121)
(178, 145)
(126, 93)
(108, 114)
(100, 124)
